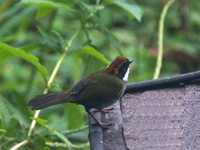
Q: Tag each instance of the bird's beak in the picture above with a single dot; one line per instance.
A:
(130, 61)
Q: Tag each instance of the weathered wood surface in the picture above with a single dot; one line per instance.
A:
(162, 119)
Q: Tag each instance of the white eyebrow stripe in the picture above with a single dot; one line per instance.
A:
(125, 78)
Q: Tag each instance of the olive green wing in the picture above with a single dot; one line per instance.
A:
(80, 86)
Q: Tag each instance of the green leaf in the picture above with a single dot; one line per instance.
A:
(18, 119)
(8, 85)
(63, 138)
(21, 103)
(4, 55)
(60, 39)
(41, 122)
(44, 124)
(55, 87)
(133, 10)
(11, 114)
(53, 39)
(26, 56)
(49, 4)
(10, 25)
(2, 131)
(95, 53)
(43, 11)
(92, 9)
(75, 115)
(4, 112)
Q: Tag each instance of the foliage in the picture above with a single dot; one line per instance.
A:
(51, 44)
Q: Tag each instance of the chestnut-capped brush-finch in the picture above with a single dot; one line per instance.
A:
(97, 90)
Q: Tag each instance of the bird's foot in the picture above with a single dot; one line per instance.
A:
(98, 122)
(107, 109)
(102, 125)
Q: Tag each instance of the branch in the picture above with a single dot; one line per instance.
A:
(114, 136)
(95, 133)
(178, 80)
(17, 146)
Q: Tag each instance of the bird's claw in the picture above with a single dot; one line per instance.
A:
(103, 125)
(107, 109)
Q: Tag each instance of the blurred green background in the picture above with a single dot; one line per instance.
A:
(35, 33)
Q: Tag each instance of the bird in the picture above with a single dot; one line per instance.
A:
(97, 90)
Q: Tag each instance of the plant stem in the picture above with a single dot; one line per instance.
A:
(52, 77)
(160, 39)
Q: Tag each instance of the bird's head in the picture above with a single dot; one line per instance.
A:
(119, 67)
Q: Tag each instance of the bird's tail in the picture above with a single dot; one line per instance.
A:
(49, 99)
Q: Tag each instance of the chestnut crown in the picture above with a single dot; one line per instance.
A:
(120, 67)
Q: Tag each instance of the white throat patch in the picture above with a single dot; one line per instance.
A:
(125, 78)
